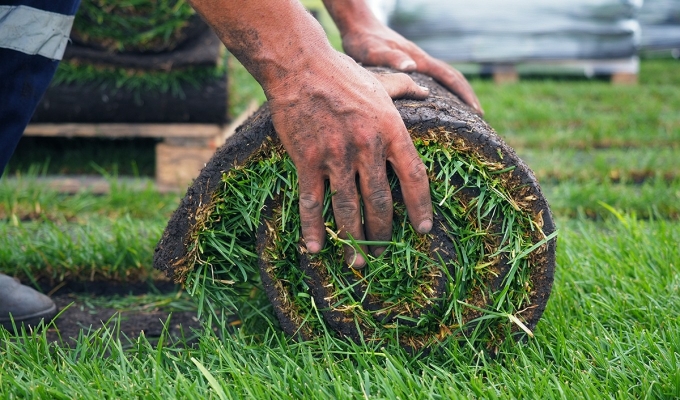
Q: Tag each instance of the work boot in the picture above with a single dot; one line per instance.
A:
(24, 304)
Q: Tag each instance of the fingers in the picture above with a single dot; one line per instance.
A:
(452, 79)
(375, 193)
(384, 47)
(347, 212)
(397, 59)
(402, 86)
(377, 199)
(311, 211)
(414, 183)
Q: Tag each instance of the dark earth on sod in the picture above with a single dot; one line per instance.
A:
(81, 310)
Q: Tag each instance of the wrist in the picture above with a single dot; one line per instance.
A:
(290, 57)
(283, 53)
(312, 78)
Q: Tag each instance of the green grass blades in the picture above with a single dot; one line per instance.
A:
(612, 329)
(98, 249)
(47, 234)
(395, 296)
(656, 198)
(616, 165)
(137, 80)
(28, 197)
(549, 114)
(132, 25)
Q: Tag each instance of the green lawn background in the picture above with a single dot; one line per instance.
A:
(608, 159)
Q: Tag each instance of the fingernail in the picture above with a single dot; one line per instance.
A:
(406, 64)
(358, 261)
(425, 226)
(313, 247)
(427, 89)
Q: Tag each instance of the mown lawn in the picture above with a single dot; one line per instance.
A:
(608, 159)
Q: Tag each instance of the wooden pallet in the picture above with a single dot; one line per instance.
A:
(183, 151)
(623, 71)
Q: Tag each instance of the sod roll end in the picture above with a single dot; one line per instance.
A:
(482, 275)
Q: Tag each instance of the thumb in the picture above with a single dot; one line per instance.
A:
(402, 86)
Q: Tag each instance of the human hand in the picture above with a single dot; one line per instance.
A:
(370, 42)
(335, 119)
(377, 45)
(337, 122)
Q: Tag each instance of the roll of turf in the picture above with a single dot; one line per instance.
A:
(483, 274)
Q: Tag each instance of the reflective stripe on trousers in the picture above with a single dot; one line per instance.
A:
(33, 31)
(33, 37)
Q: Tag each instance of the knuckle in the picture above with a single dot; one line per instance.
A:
(345, 209)
(333, 150)
(380, 201)
(366, 145)
(402, 77)
(309, 202)
(374, 53)
(363, 143)
(416, 169)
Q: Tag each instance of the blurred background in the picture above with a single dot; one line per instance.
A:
(586, 91)
(155, 66)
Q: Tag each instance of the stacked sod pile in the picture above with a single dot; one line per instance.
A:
(138, 61)
(134, 25)
(483, 274)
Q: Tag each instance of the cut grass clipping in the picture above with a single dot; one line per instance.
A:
(483, 274)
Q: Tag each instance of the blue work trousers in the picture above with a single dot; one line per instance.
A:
(31, 45)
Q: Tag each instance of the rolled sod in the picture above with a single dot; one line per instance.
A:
(483, 274)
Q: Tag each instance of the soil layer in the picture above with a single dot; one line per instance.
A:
(78, 316)
(97, 103)
(83, 309)
(203, 49)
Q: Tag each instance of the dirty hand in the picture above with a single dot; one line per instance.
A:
(335, 119)
(338, 123)
(371, 43)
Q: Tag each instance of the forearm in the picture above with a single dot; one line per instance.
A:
(271, 38)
